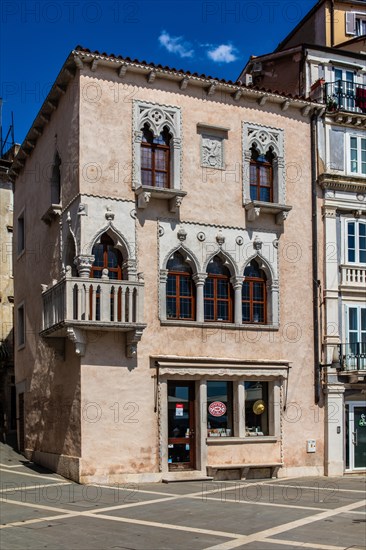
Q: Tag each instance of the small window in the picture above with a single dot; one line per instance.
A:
(357, 154)
(256, 408)
(360, 26)
(218, 299)
(356, 242)
(179, 289)
(219, 408)
(21, 234)
(254, 302)
(261, 175)
(155, 158)
(21, 326)
(56, 181)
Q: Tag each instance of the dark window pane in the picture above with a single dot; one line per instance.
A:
(222, 311)
(258, 313)
(171, 309)
(222, 288)
(171, 285)
(209, 311)
(258, 291)
(146, 178)
(209, 288)
(246, 312)
(185, 308)
(185, 286)
(265, 194)
(177, 263)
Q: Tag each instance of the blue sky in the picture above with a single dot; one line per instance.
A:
(210, 36)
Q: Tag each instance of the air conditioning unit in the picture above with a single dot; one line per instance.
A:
(248, 79)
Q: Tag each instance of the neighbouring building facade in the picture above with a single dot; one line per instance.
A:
(7, 377)
(331, 68)
(163, 233)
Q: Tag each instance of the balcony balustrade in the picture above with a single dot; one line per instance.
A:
(343, 95)
(74, 305)
(352, 357)
(353, 276)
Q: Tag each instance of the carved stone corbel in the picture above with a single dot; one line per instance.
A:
(132, 339)
(175, 203)
(281, 217)
(143, 199)
(77, 336)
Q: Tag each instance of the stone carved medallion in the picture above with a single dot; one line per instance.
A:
(212, 151)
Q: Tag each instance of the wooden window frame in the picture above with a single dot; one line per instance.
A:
(258, 184)
(117, 269)
(215, 277)
(177, 296)
(252, 302)
(153, 147)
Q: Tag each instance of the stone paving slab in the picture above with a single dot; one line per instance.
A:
(84, 533)
(344, 530)
(225, 517)
(13, 513)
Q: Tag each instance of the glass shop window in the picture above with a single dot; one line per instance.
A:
(256, 408)
(219, 408)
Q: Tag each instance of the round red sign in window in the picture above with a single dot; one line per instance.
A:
(217, 408)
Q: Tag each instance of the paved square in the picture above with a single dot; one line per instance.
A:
(43, 510)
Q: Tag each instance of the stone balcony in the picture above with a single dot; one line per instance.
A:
(353, 278)
(75, 305)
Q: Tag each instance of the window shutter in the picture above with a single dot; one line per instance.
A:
(336, 150)
(350, 22)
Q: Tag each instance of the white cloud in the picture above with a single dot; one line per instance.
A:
(175, 44)
(225, 53)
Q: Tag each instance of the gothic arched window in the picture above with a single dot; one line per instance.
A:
(218, 299)
(261, 175)
(254, 299)
(179, 289)
(106, 257)
(155, 158)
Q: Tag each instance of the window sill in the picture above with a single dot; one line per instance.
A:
(209, 325)
(255, 209)
(145, 192)
(241, 440)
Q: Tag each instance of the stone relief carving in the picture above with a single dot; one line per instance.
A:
(212, 151)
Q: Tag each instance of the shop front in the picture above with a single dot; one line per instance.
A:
(218, 414)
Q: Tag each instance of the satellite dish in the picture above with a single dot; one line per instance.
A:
(259, 407)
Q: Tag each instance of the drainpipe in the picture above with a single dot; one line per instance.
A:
(331, 23)
(314, 217)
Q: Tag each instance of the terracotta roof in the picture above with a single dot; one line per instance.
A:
(150, 64)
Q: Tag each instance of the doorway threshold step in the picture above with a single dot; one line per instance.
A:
(174, 477)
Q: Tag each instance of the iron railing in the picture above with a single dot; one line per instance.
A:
(345, 96)
(352, 357)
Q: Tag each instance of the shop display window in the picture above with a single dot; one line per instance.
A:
(256, 408)
(219, 408)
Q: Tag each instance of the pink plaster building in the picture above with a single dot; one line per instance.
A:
(163, 292)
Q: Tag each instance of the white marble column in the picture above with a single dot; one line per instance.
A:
(199, 279)
(237, 283)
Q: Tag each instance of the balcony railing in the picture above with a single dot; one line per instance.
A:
(345, 96)
(352, 357)
(93, 303)
(353, 276)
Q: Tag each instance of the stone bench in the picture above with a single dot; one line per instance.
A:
(214, 471)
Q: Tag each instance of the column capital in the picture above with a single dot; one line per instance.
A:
(199, 278)
(237, 281)
(84, 263)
